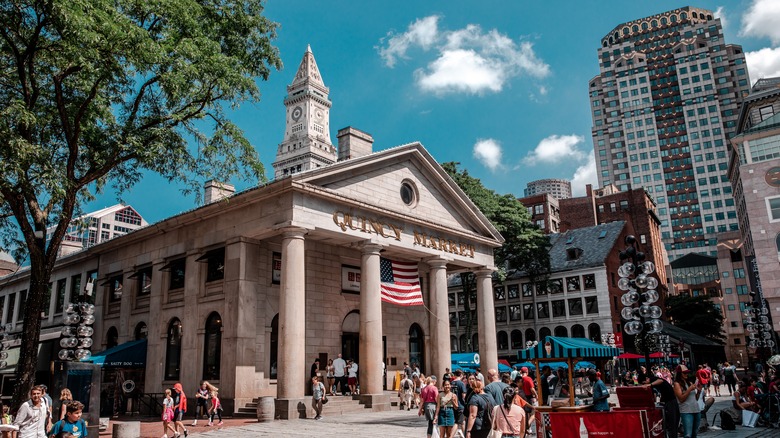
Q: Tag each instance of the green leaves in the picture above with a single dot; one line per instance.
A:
(697, 315)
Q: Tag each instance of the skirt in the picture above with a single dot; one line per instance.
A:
(446, 417)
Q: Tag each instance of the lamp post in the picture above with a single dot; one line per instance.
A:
(76, 336)
(642, 318)
(759, 327)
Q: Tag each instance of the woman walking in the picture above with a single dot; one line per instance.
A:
(478, 410)
(317, 397)
(509, 418)
(65, 398)
(688, 393)
(330, 373)
(167, 415)
(428, 397)
(446, 404)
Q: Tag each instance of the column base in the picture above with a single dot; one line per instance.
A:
(290, 409)
(375, 402)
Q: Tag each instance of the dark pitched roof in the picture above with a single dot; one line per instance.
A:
(693, 260)
(592, 245)
(686, 336)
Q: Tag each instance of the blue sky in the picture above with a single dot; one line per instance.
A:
(500, 86)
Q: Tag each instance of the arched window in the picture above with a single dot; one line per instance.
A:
(416, 345)
(530, 335)
(577, 331)
(594, 333)
(475, 342)
(274, 347)
(212, 347)
(544, 332)
(173, 350)
(502, 340)
(517, 339)
(464, 344)
(112, 337)
(777, 244)
(141, 331)
(561, 332)
(454, 343)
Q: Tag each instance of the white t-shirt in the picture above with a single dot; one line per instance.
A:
(339, 365)
(353, 370)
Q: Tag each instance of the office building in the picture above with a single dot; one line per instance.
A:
(558, 188)
(544, 211)
(99, 226)
(664, 104)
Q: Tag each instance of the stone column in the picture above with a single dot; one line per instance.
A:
(488, 351)
(292, 327)
(441, 356)
(371, 392)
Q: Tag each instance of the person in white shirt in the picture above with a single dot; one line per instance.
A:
(32, 416)
(339, 368)
(352, 368)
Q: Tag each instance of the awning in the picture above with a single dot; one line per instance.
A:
(659, 355)
(504, 368)
(567, 348)
(128, 355)
(470, 360)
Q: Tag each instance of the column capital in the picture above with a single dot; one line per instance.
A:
(369, 247)
(437, 263)
(483, 272)
(293, 232)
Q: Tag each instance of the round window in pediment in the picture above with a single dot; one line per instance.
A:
(408, 193)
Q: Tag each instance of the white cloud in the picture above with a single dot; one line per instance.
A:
(468, 60)
(762, 19)
(488, 152)
(422, 33)
(764, 63)
(585, 174)
(555, 149)
(721, 13)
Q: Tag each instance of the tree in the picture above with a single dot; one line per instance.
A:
(697, 315)
(94, 92)
(525, 247)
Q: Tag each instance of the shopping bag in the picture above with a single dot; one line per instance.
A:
(435, 433)
(749, 418)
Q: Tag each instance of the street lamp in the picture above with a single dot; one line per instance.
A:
(76, 336)
(759, 327)
(642, 318)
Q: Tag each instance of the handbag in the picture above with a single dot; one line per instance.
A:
(324, 400)
(494, 432)
(749, 418)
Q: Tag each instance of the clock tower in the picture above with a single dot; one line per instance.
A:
(306, 143)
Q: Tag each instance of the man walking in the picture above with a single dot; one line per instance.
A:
(528, 387)
(339, 372)
(495, 388)
(546, 377)
(406, 392)
(600, 392)
(32, 416)
(671, 406)
(459, 389)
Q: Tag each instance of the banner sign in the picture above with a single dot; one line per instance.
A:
(597, 424)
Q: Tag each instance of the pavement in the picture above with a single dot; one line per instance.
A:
(390, 424)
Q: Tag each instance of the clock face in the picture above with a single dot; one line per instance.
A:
(318, 114)
(296, 113)
(773, 177)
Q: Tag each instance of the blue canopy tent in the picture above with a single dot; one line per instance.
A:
(128, 355)
(525, 364)
(503, 368)
(572, 349)
(468, 360)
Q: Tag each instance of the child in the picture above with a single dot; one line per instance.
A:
(6, 419)
(72, 423)
(167, 415)
(202, 398)
(216, 405)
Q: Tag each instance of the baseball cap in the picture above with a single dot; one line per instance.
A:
(524, 369)
(681, 369)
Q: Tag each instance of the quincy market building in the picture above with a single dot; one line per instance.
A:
(248, 290)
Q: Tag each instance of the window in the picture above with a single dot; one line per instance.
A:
(575, 306)
(112, 337)
(555, 286)
(742, 289)
(144, 278)
(766, 112)
(141, 331)
(561, 331)
(212, 347)
(515, 313)
(501, 314)
(543, 310)
(577, 331)
(773, 206)
(502, 341)
(739, 273)
(516, 338)
(215, 260)
(528, 311)
(513, 291)
(589, 281)
(115, 288)
(559, 309)
(499, 293)
(59, 305)
(75, 286)
(591, 305)
(539, 209)
(528, 290)
(173, 350)
(177, 272)
(11, 307)
(572, 284)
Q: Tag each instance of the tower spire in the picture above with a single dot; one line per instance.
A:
(306, 143)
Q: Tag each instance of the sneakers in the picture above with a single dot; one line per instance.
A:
(185, 433)
(194, 423)
(318, 417)
(220, 423)
(210, 424)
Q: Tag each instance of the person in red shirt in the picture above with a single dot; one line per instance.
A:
(704, 377)
(528, 387)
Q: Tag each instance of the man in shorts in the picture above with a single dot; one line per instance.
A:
(352, 369)
(459, 389)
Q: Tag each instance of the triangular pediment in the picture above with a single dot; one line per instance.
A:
(376, 180)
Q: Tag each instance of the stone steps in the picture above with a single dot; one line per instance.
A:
(337, 405)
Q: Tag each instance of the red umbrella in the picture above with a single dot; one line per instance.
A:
(505, 362)
(660, 355)
(630, 356)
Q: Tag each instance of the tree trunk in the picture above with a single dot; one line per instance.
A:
(28, 351)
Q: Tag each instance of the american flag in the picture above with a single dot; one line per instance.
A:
(400, 283)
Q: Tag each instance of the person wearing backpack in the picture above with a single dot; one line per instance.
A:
(406, 392)
(72, 423)
(480, 419)
(730, 376)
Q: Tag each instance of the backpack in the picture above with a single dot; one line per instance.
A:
(487, 414)
(406, 384)
(726, 421)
